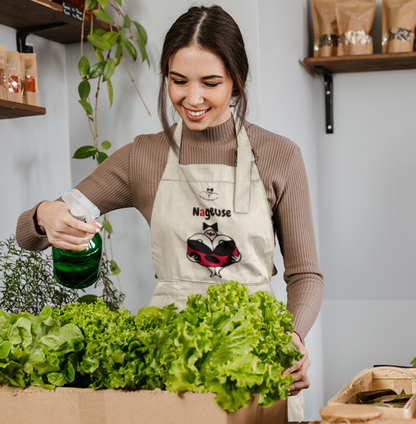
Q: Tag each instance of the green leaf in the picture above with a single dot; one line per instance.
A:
(105, 145)
(127, 22)
(107, 227)
(100, 14)
(131, 49)
(414, 361)
(5, 348)
(84, 89)
(83, 67)
(99, 31)
(87, 107)
(85, 152)
(119, 2)
(119, 52)
(90, 4)
(141, 41)
(141, 32)
(96, 70)
(114, 268)
(103, 3)
(101, 157)
(109, 69)
(99, 54)
(99, 42)
(110, 92)
(111, 37)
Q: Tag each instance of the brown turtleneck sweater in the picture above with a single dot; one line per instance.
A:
(130, 178)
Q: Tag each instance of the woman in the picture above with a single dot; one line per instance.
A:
(214, 188)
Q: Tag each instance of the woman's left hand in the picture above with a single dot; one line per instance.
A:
(300, 369)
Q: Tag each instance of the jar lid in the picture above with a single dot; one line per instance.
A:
(352, 413)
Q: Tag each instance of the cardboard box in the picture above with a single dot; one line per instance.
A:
(85, 406)
(381, 378)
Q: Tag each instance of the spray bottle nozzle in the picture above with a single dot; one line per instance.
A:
(81, 207)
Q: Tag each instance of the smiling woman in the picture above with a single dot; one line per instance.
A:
(215, 189)
(200, 88)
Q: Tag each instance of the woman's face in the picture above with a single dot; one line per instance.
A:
(200, 88)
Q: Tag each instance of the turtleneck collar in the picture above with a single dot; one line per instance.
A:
(220, 134)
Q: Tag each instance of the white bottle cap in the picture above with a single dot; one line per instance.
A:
(81, 207)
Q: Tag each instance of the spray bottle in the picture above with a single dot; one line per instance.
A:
(79, 269)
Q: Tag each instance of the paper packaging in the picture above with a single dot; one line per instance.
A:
(13, 78)
(85, 406)
(29, 79)
(3, 73)
(398, 25)
(325, 28)
(354, 20)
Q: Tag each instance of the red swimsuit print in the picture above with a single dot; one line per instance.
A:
(212, 250)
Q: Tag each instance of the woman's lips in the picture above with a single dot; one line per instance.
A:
(195, 117)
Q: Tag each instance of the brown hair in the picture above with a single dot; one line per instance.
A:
(212, 29)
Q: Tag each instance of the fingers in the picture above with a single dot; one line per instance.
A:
(62, 229)
(300, 369)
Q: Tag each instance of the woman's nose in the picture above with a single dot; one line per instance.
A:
(195, 96)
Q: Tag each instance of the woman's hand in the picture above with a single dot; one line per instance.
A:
(63, 230)
(299, 370)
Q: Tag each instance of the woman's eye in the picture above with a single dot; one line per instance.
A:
(179, 82)
(211, 84)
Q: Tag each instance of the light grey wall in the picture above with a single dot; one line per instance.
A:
(367, 221)
(34, 150)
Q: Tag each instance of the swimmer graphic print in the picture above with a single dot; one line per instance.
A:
(212, 250)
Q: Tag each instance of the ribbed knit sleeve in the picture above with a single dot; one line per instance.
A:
(294, 226)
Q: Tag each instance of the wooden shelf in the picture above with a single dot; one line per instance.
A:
(363, 63)
(10, 110)
(20, 14)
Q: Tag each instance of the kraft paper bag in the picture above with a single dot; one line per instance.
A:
(354, 20)
(325, 28)
(3, 74)
(398, 25)
(13, 77)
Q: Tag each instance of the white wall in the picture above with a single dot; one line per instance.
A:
(367, 221)
(34, 150)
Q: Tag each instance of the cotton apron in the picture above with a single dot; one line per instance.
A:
(210, 223)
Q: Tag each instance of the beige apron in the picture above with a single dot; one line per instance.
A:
(210, 224)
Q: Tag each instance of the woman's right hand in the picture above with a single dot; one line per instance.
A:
(62, 229)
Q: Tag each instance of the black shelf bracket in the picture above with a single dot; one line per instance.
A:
(329, 98)
(23, 33)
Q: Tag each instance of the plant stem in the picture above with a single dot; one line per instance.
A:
(112, 255)
(82, 31)
(96, 114)
(132, 80)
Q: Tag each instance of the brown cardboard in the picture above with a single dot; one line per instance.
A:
(85, 406)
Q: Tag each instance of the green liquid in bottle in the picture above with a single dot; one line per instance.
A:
(78, 270)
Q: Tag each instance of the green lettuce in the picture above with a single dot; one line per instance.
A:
(234, 344)
(227, 342)
(38, 350)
